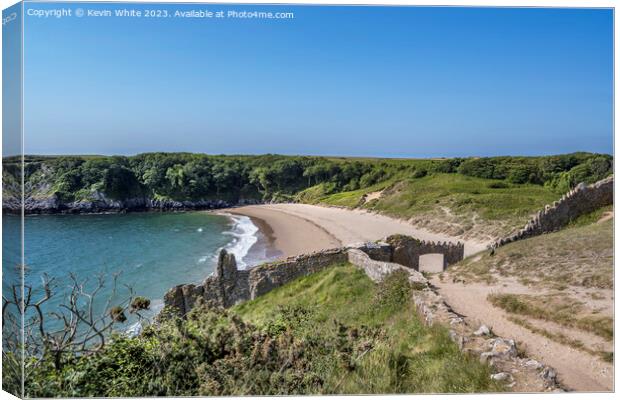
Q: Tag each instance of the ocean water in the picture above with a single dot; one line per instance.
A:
(149, 252)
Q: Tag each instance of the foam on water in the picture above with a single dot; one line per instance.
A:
(244, 234)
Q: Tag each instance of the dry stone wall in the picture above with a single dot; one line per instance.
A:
(581, 200)
(378, 270)
(266, 277)
(229, 286)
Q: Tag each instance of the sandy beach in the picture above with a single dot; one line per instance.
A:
(303, 228)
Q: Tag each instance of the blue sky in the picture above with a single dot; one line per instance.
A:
(359, 81)
(11, 82)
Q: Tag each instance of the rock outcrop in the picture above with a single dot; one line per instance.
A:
(98, 202)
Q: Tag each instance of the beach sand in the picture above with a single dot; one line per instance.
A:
(302, 228)
(290, 235)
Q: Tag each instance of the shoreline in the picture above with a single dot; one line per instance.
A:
(285, 235)
(294, 229)
(266, 238)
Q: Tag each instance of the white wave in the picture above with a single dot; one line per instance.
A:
(134, 330)
(244, 237)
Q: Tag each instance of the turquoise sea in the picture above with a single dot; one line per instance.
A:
(150, 252)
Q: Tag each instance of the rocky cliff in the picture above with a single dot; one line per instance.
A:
(99, 203)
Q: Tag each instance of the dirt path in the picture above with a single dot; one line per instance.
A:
(607, 215)
(576, 369)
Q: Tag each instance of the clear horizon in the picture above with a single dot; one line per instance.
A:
(297, 155)
(384, 82)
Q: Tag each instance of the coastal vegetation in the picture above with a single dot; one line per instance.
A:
(187, 176)
(486, 196)
(334, 331)
(331, 332)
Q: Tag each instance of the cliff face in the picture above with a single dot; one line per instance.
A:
(100, 203)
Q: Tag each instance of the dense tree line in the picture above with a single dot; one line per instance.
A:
(188, 176)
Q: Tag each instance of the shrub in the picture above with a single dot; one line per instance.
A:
(118, 314)
(498, 185)
(419, 173)
(140, 303)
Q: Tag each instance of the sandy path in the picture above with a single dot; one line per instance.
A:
(307, 228)
(576, 369)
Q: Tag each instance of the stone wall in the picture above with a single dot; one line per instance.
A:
(226, 287)
(581, 200)
(378, 270)
(407, 251)
(229, 286)
(266, 277)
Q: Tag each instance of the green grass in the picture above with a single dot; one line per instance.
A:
(318, 195)
(393, 352)
(590, 218)
(333, 332)
(463, 194)
(490, 201)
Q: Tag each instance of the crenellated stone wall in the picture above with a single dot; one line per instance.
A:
(407, 251)
(581, 200)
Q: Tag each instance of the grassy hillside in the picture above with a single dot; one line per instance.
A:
(331, 332)
(393, 351)
(452, 203)
(578, 256)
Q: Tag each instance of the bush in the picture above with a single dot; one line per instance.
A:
(419, 173)
(498, 185)
(117, 314)
(524, 174)
(140, 303)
